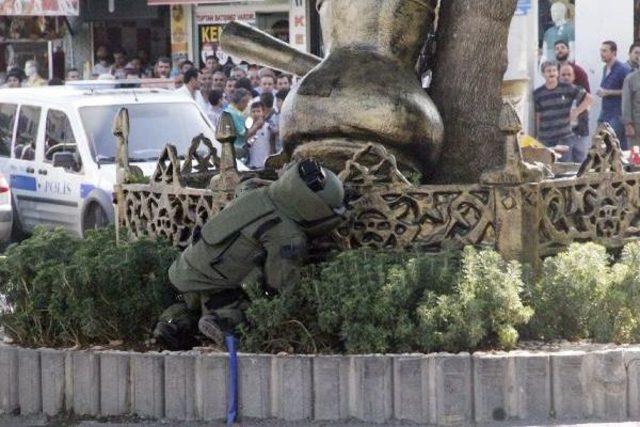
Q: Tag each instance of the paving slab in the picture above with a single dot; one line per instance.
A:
(211, 386)
(371, 388)
(180, 386)
(292, 388)
(29, 381)
(331, 388)
(115, 385)
(412, 400)
(9, 402)
(452, 389)
(53, 381)
(147, 385)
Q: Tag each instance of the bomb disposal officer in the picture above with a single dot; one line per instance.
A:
(261, 235)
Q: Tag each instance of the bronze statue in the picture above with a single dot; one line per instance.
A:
(365, 90)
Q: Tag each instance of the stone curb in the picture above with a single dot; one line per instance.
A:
(437, 389)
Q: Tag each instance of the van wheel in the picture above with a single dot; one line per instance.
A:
(94, 218)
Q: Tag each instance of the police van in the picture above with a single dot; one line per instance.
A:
(58, 150)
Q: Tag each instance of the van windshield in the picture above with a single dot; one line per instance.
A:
(152, 127)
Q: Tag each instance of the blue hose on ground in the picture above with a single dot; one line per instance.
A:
(232, 391)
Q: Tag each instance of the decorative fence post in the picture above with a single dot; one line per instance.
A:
(121, 132)
(224, 184)
(513, 211)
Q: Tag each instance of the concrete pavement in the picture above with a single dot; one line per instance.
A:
(19, 421)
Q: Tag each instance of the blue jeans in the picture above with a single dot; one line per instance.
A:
(572, 142)
(618, 127)
(581, 148)
(577, 151)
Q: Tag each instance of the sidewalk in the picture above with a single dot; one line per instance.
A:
(6, 421)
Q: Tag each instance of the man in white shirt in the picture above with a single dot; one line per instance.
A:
(191, 88)
(216, 106)
(283, 82)
(119, 63)
(206, 82)
(162, 70)
(261, 144)
(102, 65)
(267, 84)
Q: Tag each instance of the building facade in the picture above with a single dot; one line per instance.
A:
(36, 30)
(196, 25)
(585, 24)
(66, 33)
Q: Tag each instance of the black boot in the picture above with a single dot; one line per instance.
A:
(211, 328)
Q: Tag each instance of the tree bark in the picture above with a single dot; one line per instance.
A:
(470, 62)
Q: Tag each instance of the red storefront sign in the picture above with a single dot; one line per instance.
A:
(185, 2)
(40, 7)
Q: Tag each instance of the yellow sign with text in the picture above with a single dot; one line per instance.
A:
(210, 33)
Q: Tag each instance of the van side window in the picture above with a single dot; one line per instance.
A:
(59, 137)
(27, 133)
(7, 121)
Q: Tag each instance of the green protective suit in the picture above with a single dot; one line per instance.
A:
(261, 235)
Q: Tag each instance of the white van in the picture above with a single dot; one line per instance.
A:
(58, 150)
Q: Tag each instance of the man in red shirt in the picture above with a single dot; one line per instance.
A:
(562, 56)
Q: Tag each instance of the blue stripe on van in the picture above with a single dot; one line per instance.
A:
(21, 182)
(85, 189)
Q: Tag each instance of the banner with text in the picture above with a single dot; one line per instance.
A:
(179, 34)
(199, 2)
(298, 25)
(39, 7)
(209, 28)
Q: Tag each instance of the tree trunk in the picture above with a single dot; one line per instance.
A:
(470, 62)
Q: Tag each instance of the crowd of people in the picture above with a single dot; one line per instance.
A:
(243, 91)
(563, 102)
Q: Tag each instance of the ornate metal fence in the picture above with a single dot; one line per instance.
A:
(524, 220)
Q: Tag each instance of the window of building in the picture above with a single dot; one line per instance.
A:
(7, 122)
(556, 22)
(636, 20)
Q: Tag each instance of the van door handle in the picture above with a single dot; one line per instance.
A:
(31, 170)
(42, 171)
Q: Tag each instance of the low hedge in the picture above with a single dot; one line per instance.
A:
(363, 302)
(584, 293)
(66, 292)
(379, 302)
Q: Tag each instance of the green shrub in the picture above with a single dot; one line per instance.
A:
(484, 309)
(570, 291)
(617, 318)
(336, 306)
(63, 291)
(282, 323)
(582, 293)
(370, 299)
(363, 302)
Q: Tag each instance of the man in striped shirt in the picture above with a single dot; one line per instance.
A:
(554, 103)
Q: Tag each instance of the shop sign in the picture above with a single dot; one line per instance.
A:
(209, 42)
(39, 7)
(179, 34)
(223, 18)
(209, 28)
(199, 2)
(298, 24)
